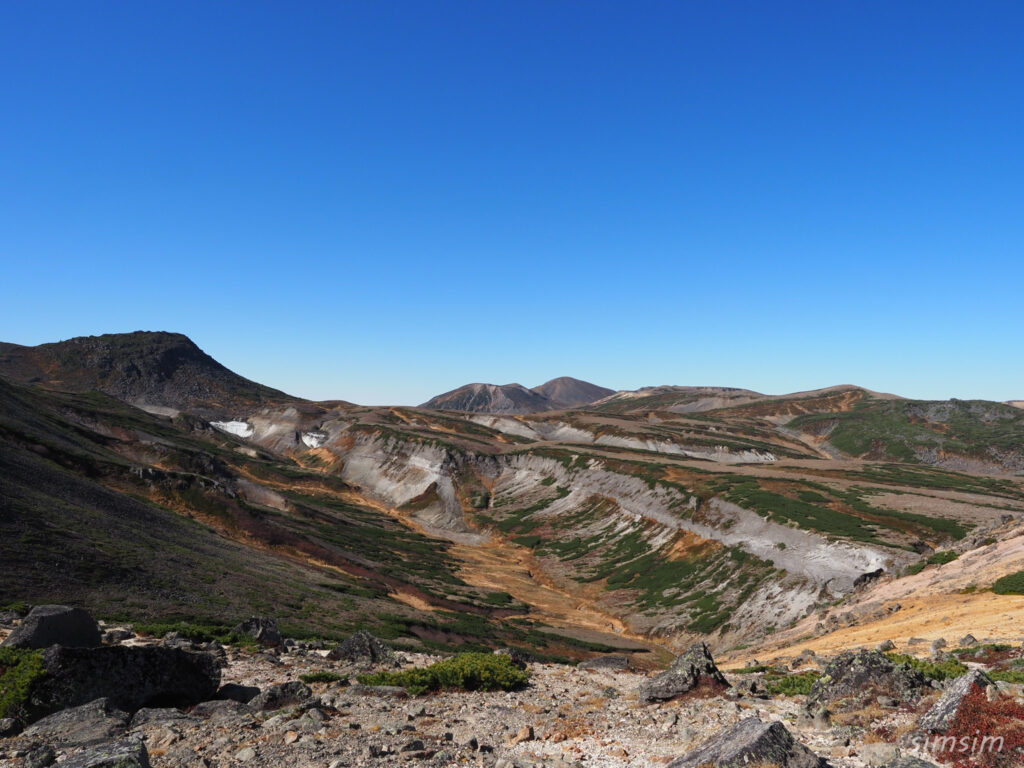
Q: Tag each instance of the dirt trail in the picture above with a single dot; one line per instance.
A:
(511, 569)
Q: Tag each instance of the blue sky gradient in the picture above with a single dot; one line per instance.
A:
(382, 201)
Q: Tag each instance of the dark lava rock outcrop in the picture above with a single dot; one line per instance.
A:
(856, 677)
(693, 668)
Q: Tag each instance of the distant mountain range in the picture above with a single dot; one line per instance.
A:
(557, 394)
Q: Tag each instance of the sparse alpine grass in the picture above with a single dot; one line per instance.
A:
(466, 672)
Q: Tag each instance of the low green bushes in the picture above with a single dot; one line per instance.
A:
(1011, 584)
(791, 685)
(20, 668)
(197, 633)
(942, 557)
(467, 672)
(1015, 676)
(942, 670)
(320, 677)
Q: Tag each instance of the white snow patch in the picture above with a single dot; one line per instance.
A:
(239, 428)
(314, 439)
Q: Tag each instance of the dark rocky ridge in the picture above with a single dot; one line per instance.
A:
(145, 368)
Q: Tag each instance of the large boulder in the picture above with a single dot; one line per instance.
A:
(751, 742)
(280, 696)
(693, 668)
(130, 677)
(48, 625)
(854, 678)
(90, 724)
(362, 648)
(263, 629)
(130, 753)
(944, 712)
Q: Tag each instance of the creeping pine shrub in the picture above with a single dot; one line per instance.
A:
(1015, 676)
(467, 672)
(320, 677)
(942, 557)
(941, 671)
(1011, 584)
(792, 685)
(20, 668)
(984, 734)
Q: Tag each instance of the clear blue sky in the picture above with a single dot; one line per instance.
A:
(380, 201)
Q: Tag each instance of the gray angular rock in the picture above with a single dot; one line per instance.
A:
(240, 693)
(856, 677)
(117, 635)
(41, 757)
(944, 711)
(89, 724)
(263, 629)
(130, 677)
(48, 625)
(159, 716)
(878, 754)
(910, 762)
(751, 742)
(518, 656)
(221, 709)
(694, 667)
(389, 691)
(280, 696)
(362, 648)
(9, 726)
(129, 753)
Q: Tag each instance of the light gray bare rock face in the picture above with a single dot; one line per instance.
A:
(694, 667)
(751, 742)
(130, 753)
(855, 677)
(48, 625)
(93, 723)
(940, 717)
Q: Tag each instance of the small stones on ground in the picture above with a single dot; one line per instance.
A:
(245, 754)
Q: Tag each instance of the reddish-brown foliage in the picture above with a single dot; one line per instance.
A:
(976, 725)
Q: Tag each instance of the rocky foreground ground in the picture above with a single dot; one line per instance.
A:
(256, 711)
